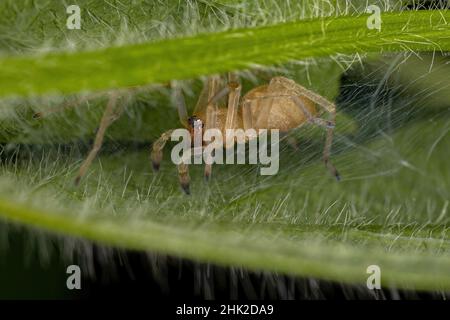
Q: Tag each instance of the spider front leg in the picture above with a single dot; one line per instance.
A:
(183, 168)
(157, 149)
(158, 146)
(111, 114)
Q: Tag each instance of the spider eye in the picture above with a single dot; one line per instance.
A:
(195, 122)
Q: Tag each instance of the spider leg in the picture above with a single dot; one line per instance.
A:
(219, 95)
(183, 170)
(183, 174)
(247, 118)
(178, 99)
(329, 125)
(233, 89)
(315, 120)
(157, 148)
(324, 103)
(290, 140)
(327, 148)
(299, 90)
(262, 121)
(234, 96)
(111, 114)
(211, 115)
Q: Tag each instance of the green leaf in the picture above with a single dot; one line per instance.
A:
(184, 58)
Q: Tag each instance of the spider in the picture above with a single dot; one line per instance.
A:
(282, 104)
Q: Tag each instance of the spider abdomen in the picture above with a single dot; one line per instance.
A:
(284, 114)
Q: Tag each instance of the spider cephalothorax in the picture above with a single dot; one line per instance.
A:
(282, 104)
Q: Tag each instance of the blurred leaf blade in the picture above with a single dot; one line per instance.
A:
(185, 58)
